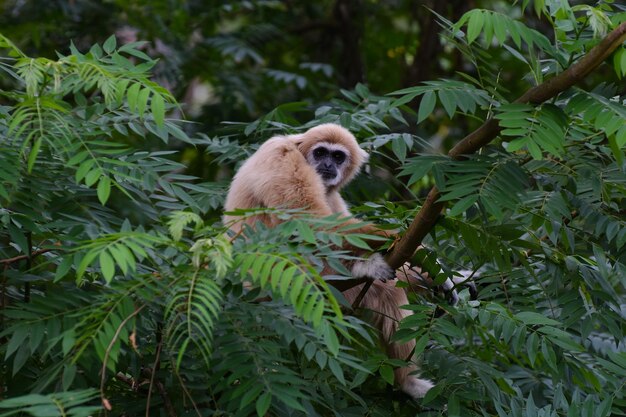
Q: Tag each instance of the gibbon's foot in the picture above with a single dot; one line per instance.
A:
(375, 267)
(449, 291)
(416, 387)
(449, 287)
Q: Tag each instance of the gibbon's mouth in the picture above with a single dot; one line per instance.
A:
(327, 174)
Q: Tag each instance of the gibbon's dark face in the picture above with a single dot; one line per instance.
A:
(329, 161)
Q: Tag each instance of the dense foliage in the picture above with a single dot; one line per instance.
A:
(122, 294)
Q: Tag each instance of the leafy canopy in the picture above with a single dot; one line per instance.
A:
(121, 290)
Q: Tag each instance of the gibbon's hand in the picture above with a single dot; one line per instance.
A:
(375, 267)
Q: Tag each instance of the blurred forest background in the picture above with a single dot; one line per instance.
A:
(122, 123)
(237, 61)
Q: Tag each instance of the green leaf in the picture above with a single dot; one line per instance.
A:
(250, 395)
(104, 189)
(399, 148)
(69, 373)
(107, 266)
(34, 150)
(109, 44)
(357, 241)
(93, 176)
(331, 340)
(17, 340)
(345, 120)
(132, 95)
(620, 137)
(68, 341)
(386, 372)
(263, 404)
(158, 109)
(433, 393)
(561, 338)
(531, 318)
(18, 237)
(474, 25)
(427, 105)
(83, 169)
(63, 268)
(448, 101)
(463, 204)
(335, 368)
(78, 158)
(532, 346)
(142, 100)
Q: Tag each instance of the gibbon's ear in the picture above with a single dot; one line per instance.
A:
(364, 155)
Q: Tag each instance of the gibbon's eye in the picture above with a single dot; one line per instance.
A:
(339, 157)
(320, 153)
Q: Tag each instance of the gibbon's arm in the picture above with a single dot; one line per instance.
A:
(337, 204)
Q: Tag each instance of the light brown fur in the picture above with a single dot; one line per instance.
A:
(279, 176)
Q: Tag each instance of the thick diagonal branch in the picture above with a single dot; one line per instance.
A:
(429, 213)
(427, 216)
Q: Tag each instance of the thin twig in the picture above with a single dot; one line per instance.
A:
(169, 407)
(29, 265)
(186, 391)
(105, 402)
(23, 257)
(153, 375)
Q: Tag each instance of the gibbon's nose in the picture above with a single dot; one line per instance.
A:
(327, 166)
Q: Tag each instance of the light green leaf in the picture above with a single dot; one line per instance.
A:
(357, 241)
(104, 189)
(158, 109)
(474, 25)
(107, 266)
(109, 44)
(132, 95)
(34, 150)
(142, 100)
(93, 176)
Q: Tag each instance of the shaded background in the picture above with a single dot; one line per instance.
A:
(235, 61)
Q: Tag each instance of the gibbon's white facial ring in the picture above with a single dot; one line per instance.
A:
(329, 161)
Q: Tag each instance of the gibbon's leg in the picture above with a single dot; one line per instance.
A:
(420, 282)
(384, 300)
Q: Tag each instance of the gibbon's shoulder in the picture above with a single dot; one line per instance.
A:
(275, 146)
(280, 142)
(273, 155)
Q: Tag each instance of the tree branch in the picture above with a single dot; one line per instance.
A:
(22, 257)
(429, 213)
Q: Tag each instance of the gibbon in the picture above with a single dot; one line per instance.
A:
(306, 171)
